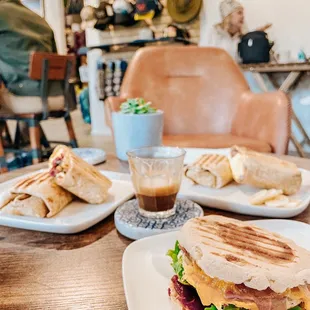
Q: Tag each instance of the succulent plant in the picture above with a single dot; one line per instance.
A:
(137, 106)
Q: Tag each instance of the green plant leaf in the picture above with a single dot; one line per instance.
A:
(137, 106)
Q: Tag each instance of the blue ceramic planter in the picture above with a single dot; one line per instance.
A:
(132, 131)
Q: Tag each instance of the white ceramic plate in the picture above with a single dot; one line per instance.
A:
(147, 271)
(91, 155)
(235, 197)
(78, 215)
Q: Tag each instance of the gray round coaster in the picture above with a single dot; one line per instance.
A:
(132, 225)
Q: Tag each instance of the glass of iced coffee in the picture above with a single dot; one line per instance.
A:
(156, 173)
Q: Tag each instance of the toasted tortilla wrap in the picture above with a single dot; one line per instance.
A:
(6, 197)
(78, 177)
(211, 170)
(264, 171)
(41, 185)
(26, 205)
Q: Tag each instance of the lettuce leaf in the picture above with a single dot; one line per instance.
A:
(177, 262)
(296, 308)
(229, 307)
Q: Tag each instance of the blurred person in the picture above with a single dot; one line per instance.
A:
(22, 32)
(228, 32)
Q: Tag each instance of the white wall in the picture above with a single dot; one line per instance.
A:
(290, 19)
(34, 5)
(99, 126)
(54, 13)
(55, 16)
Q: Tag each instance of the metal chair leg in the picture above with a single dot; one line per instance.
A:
(3, 165)
(73, 141)
(17, 138)
(44, 140)
(6, 134)
(21, 138)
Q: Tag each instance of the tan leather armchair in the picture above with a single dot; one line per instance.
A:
(206, 100)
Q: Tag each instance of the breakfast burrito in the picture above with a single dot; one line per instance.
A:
(264, 171)
(211, 170)
(37, 195)
(78, 177)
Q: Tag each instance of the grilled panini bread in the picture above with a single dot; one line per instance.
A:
(42, 186)
(25, 205)
(77, 176)
(211, 170)
(229, 262)
(264, 171)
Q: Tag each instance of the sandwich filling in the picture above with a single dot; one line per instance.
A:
(58, 165)
(195, 290)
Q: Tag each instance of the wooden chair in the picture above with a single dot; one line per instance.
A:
(44, 67)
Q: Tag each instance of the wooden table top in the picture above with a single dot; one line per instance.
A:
(42, 271)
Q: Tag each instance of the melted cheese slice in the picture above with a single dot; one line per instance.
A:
(298, 294)
(212, 291)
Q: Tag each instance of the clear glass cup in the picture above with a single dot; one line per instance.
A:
(156, 173)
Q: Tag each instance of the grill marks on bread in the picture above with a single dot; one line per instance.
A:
(246, 238)
(209, 160)
(35, 179)
(237, 243)
(86, 168)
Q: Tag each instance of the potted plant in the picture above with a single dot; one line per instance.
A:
(136, 125)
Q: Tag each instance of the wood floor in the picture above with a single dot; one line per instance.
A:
(55, 130)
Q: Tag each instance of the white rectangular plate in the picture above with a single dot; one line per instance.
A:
(235, 197)
(78, 215)
(147, 271)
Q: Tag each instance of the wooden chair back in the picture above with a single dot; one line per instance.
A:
(47, 67)
(57, 66)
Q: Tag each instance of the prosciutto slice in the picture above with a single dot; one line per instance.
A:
(265, 300)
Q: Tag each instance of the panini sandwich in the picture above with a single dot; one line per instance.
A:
(221, 263)
(211, 170)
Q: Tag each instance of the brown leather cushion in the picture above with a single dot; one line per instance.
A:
(215, 142)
